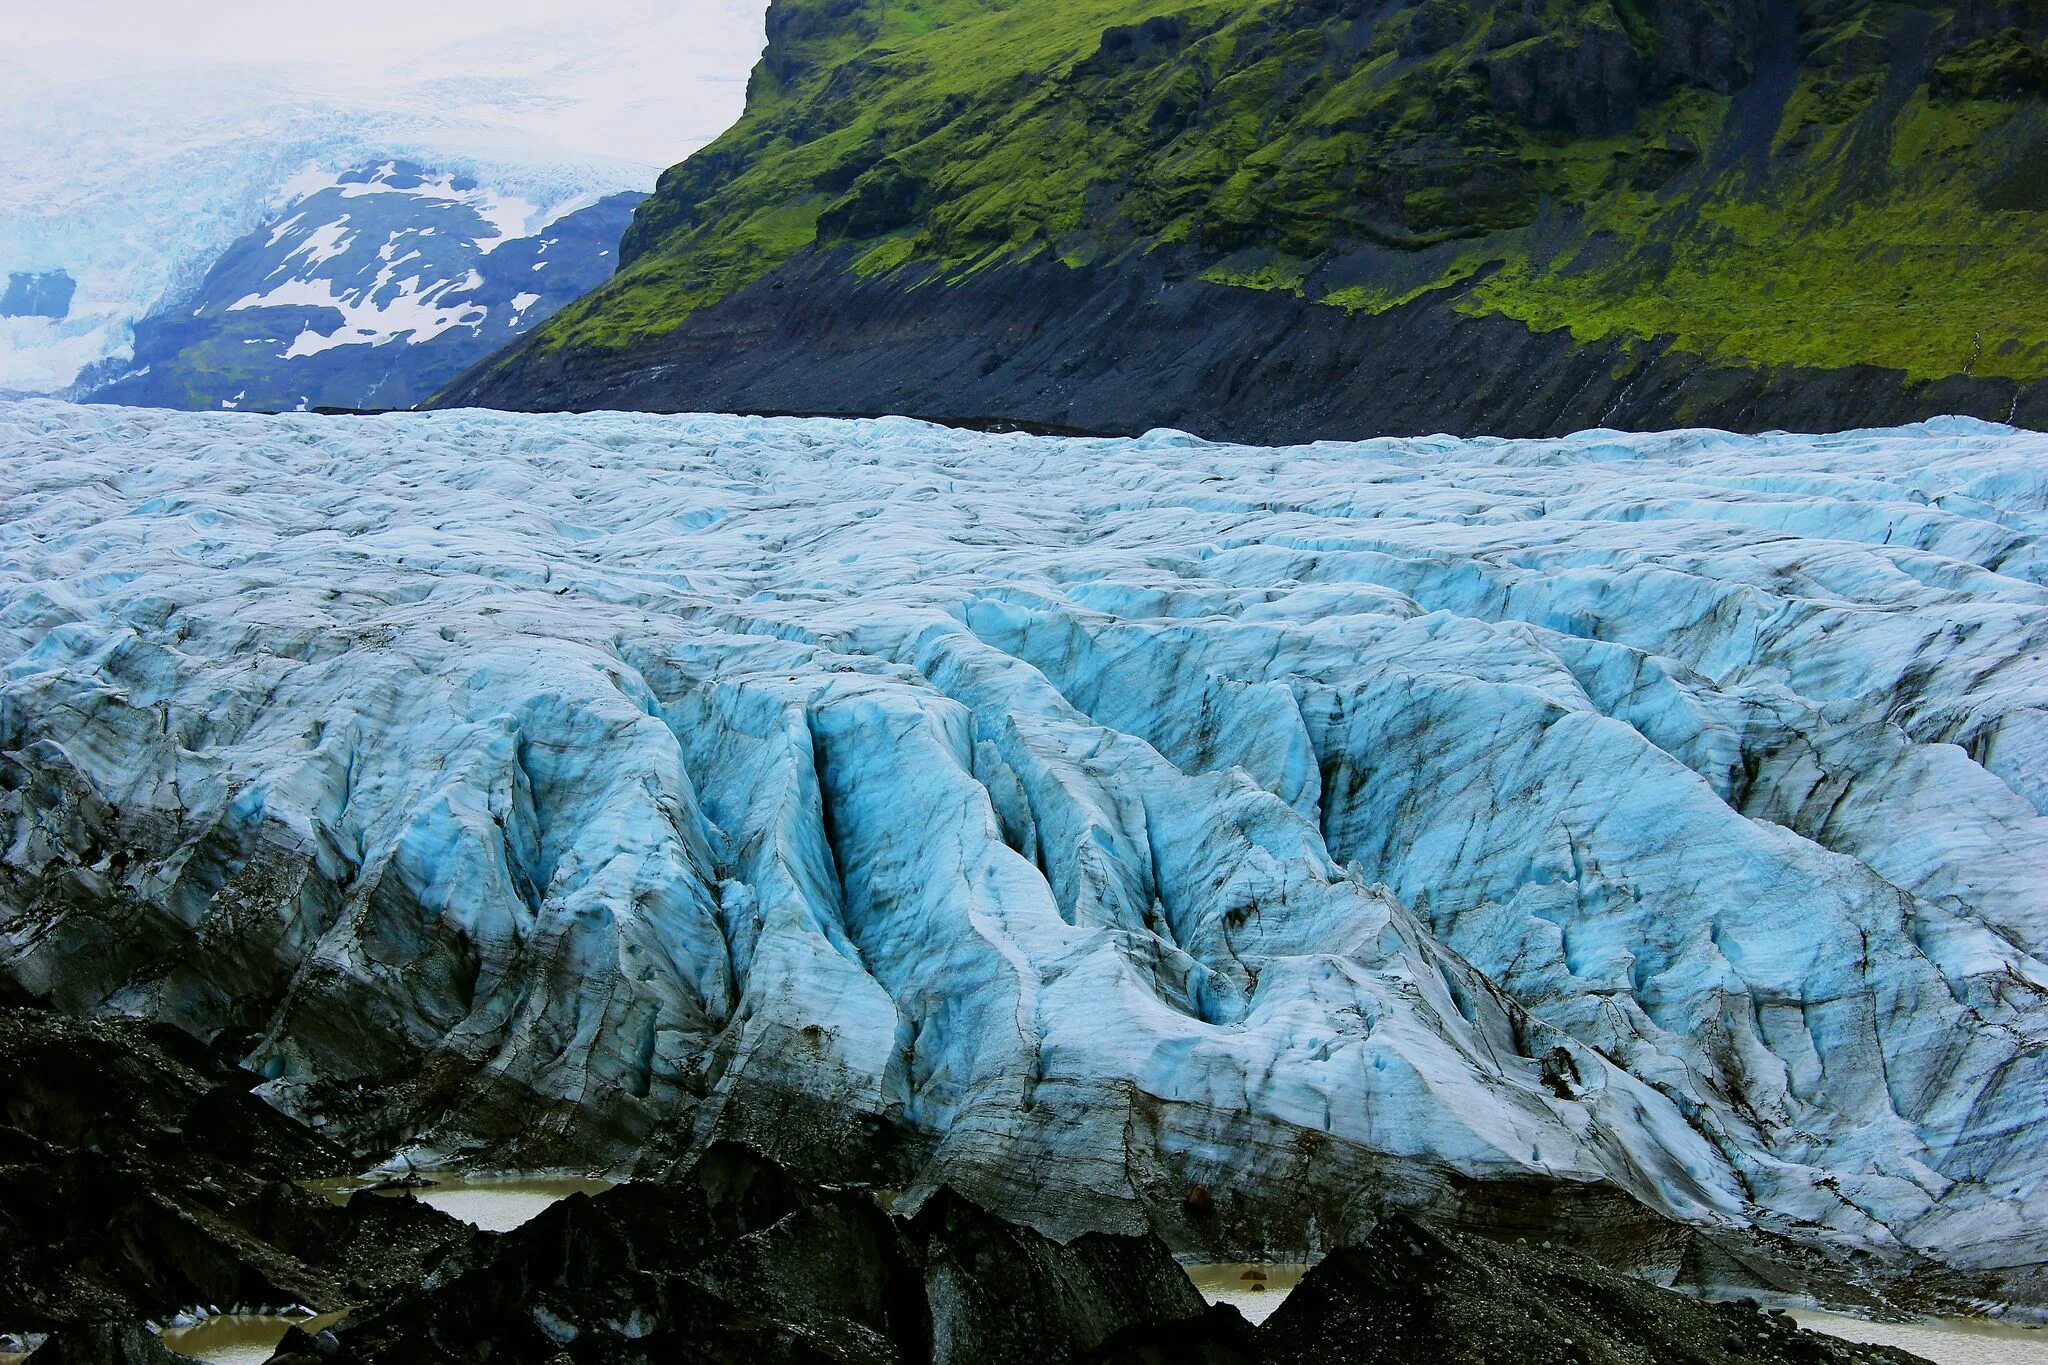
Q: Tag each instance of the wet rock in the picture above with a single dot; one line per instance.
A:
(736, 1260)
(1220, 1336)
(2005, 65)
(37, 294)
(1587, 83)
(731, 1259)
(996, 1291)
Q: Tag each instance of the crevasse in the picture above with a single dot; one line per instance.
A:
(1334, 827)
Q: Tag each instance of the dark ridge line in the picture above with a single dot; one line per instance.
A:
(994, 426)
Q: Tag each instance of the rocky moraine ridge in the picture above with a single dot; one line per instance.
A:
(115, 1125)
(1629, 842)
(1300, 219)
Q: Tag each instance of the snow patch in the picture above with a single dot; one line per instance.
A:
(387, 310)
(321, 245)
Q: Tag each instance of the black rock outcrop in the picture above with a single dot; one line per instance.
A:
(1409, 1294)
(38, 294)
(735, 1261)
(139, 1177)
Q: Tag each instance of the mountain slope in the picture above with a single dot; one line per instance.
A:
(372, 288)
(1698, 209)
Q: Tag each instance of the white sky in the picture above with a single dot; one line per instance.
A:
(641, 80)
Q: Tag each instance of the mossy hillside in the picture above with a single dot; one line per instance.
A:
(1914, 243)
(1634, 168)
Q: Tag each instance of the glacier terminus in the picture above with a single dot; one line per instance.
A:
(1636, 838)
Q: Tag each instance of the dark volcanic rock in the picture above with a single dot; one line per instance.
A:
(1408, 1294)
(1000, 1292)
(1512, 218)
(139, 1177)
(106, 1343)
(735, 1260)
(38, 294)
(1138, 344)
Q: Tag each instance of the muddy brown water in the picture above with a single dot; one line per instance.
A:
(239, 1338)
(1254, 1290)
(1945, 1341)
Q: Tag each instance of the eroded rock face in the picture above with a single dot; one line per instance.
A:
(1301, 219)
(37, 294)
(735, 1261)
(106, 1343)
(1621, 832)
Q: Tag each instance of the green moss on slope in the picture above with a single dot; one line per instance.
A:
(1863, 184)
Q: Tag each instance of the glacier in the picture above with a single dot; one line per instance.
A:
(1239, 842)
(133, 155)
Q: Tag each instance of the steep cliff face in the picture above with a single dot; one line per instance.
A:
(1725, 197)
(37, 294)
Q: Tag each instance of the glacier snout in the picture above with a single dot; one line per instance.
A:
(1653, 821)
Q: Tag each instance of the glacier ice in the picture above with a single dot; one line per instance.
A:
(1353, 824)
(132, 160)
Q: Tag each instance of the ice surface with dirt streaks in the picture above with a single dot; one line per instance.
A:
(1657, 810)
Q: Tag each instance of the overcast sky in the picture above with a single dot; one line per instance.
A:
(645, 80)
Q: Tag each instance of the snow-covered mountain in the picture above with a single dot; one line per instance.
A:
(1556, 828)
(372, 288)
(134, 154)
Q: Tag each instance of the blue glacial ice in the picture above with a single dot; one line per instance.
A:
(1656, 813)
